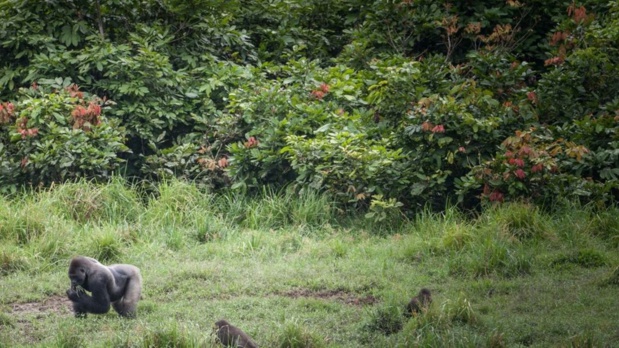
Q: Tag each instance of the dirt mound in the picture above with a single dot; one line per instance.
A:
(336, 295)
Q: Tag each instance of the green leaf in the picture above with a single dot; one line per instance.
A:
(444, 141)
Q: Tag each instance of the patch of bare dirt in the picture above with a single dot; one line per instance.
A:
(24, 314)
(334, 295)
(52, 305)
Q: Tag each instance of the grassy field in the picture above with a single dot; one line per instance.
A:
(292, 271)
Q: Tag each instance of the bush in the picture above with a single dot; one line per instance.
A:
(58, 136)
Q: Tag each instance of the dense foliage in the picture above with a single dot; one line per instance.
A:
(386, 105)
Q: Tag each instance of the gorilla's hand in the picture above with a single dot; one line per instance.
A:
(73, 295)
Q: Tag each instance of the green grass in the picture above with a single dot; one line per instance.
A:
(291, 271)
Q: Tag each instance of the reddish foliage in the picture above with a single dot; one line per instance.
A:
(84, 118)
(426, 126)
(496, 196)
(537, 168)
(554, 61)
(322, 90)
(318, 94)
(438, 129)
(223, 162)
(251, 142)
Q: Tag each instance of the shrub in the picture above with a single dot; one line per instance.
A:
(529, 167)
(58, 136)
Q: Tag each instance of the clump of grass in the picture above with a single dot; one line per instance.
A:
(446, 326)
(232, 206)
(268, 210)
(6, 320)
(606, 226)
(338, 248)
(584, 340)
(496, 339)
(105, 245)
(290, 243)
(169, 337)
(414, 249)
(23, 221)
(278, 209)
(612, 279)
(146, 307)
(428, 223)
(175, 204)
(208, 227)
(520, 220)
(311, 209)
(587, 258)
(456, 236)
(69, 338)
(12, 260)
(460, 311)
(85, 201)
(294, 335)
(386, 319)
(436, 234)
(175, 238)
(253, 243)
(52, 247)
(488, 257)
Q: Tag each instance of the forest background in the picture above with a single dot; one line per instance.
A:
(384, 105)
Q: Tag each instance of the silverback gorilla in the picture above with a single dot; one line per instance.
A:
(120, 285)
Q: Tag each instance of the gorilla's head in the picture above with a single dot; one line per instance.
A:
(78, 272)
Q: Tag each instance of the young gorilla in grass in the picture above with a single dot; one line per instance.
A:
(120, 285)
(232, 336)
(419, 302)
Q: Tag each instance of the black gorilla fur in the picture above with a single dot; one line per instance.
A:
(118, 285)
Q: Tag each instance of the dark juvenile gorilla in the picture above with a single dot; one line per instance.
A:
(120, 285)
(232, 336)
(419, 302)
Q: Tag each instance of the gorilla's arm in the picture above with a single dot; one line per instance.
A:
(98, 303)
